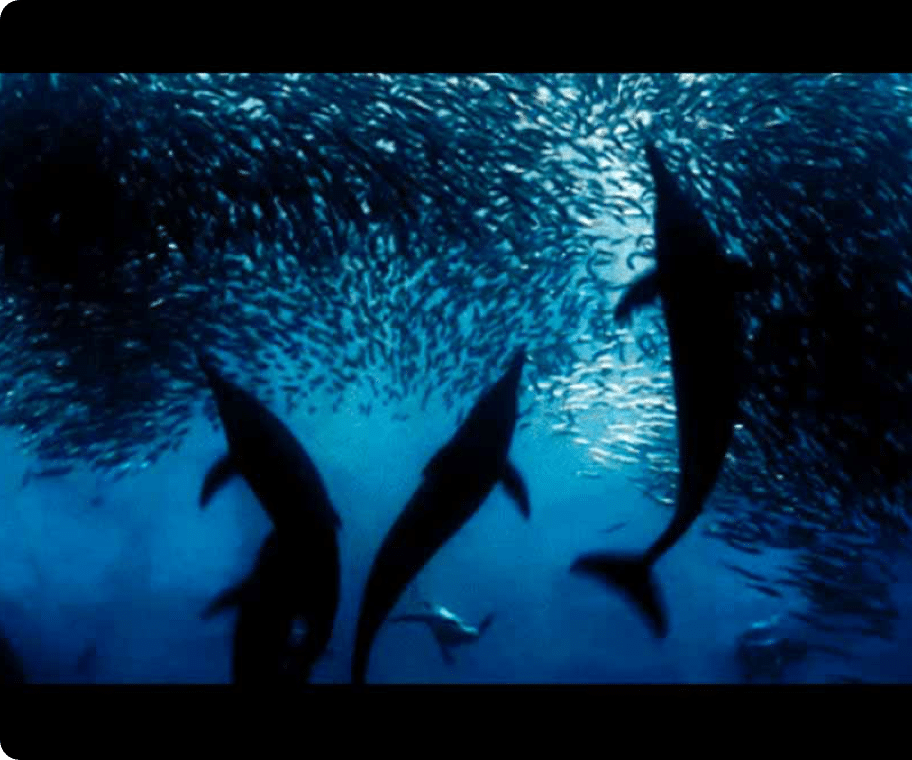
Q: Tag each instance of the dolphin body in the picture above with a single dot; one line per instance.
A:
(448, 628)
(268, 604)
(456, 481)
(697, 285)
(289, 488)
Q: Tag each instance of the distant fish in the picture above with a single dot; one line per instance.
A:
(697, 285)
(763, 652)
(457, 480)
(765, 589)
(745, 573)
(48, 472)
(766, 649)
(448, 628)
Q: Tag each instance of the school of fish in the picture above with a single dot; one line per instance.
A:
(313, 227)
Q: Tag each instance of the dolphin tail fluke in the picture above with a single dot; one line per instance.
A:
(485, 624)
(516, 488)
(219, 474)
(633, 576)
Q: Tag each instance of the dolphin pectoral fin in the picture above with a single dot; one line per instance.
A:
(642, 291)
(219, 474)
(516, 488)
(230, 597)
(633, 576)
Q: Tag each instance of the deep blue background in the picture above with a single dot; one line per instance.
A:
(130, 563)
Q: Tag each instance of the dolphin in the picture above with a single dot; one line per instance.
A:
(267, 454)
(289, 488)
(455, 482)
(448, 628)
(269, 603)
(697, 285)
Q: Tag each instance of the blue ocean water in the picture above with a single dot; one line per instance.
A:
(126, 566)
(528, 231)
